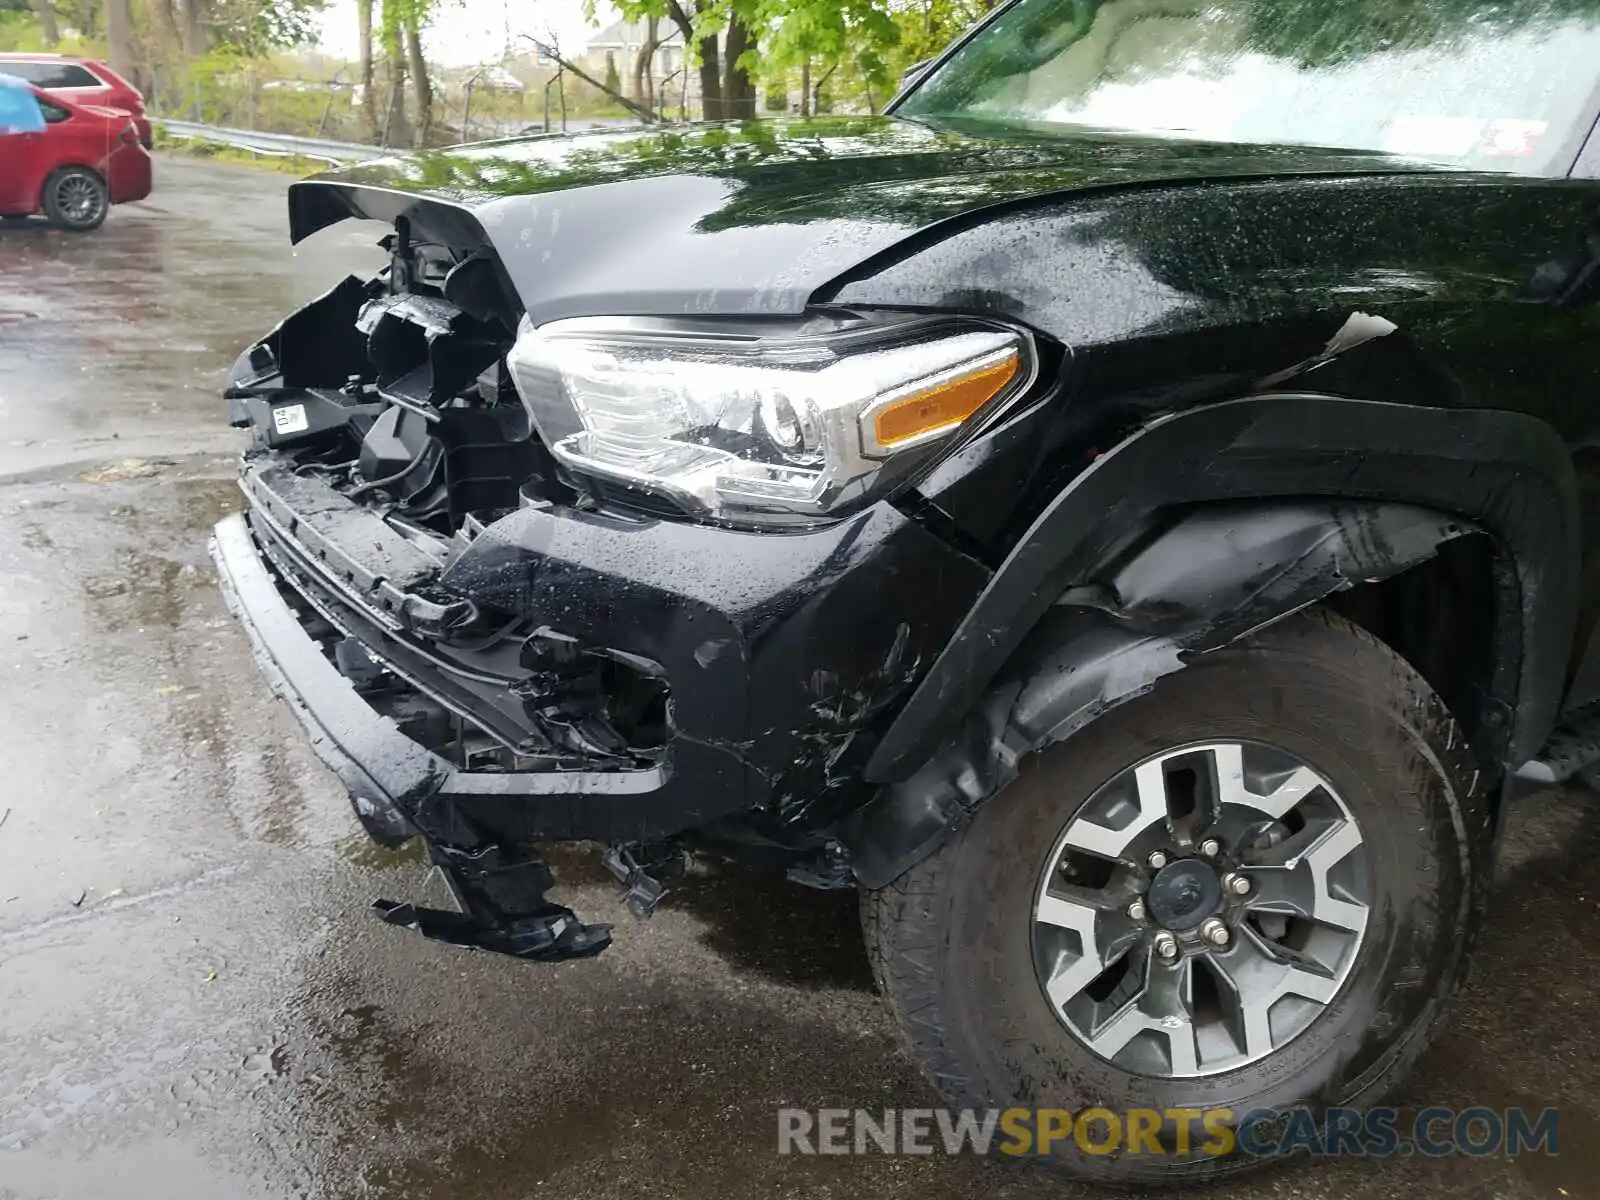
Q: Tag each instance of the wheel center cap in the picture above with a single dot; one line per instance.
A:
(1184, 893)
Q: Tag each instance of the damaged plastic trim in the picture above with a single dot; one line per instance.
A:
(1506, 472)
(1212, 578)
(501, 891)
(402, 778)
(408, 791)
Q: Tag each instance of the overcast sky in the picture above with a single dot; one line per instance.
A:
(471, 32)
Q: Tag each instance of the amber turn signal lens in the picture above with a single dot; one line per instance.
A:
(944, 405)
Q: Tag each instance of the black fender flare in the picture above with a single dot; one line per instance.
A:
(1305, 494)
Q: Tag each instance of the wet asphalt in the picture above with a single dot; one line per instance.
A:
(194, 1001)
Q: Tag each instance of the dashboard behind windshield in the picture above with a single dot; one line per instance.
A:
(1474, 83)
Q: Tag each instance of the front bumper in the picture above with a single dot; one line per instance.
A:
(400, 788)
(784, 654)
(384, 771)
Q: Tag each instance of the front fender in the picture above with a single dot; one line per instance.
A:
(1507, 473)
(1305, 494)
(1211, 578)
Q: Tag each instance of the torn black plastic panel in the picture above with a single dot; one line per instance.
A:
(1212, 577)
(1507, 473)
(501, 891)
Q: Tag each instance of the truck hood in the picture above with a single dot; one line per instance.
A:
(752, 218)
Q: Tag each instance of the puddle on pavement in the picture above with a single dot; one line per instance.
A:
(148, 585)
(361, 851)
(792, 935)
(126, 469)
(142, 590)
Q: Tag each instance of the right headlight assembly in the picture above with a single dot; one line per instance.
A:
(758, 422)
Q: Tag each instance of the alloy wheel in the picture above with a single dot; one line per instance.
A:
(1201, 910)
(79, 199)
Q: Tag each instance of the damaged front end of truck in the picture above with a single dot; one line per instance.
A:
(494, 650)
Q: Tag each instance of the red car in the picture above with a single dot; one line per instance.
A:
(80, 81)
(68, 161)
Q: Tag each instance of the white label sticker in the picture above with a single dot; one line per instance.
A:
(1512, 138)
(291, 418)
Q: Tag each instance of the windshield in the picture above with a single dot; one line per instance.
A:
(1487, 84)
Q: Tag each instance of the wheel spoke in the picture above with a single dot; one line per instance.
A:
(1284, 890)
(1229, 761)
(1073, 972)
(1164, 1006)
(1150, 800)
(1246, 1020)
(1294, 879)
(1277, 803)
(1253, 976)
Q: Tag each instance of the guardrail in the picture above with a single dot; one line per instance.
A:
(284, 144)
(288, 145)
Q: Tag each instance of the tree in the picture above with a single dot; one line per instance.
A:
(191, 29)
(420, 83)
(119, 38)
(369, 102)
(699, 21)
(613, 80)
(740, 52)
(644, 84)
(49, 30)
(396, 127)
(817, 36)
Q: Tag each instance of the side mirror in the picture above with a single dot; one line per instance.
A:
(914, 73)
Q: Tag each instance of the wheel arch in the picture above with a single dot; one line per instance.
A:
(1213, 523)
(74, 165)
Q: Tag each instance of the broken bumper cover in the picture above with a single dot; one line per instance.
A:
(399, 788)
(383, 770)
(783, 654)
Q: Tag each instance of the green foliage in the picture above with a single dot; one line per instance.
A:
(612, 80)
(257, 26)
(928, 26)
(19, 30)
(829, 33)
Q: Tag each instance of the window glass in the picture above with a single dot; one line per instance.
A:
(54, 114)
(52, 74)
(1490, 84)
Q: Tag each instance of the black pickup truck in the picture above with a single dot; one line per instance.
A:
(1131, 510)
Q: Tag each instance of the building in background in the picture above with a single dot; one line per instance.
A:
(664, 85)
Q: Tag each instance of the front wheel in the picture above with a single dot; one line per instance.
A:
(75, 198)
(1251, 889)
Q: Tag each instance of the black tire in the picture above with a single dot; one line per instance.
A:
(950, 939)
(75, 198)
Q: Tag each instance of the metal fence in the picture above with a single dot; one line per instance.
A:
(277, 144)
(321, 149)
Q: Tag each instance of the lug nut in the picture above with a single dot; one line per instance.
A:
(1166, 945)
(1214, 931)
(1238, 884)
(1157, 860)
(1210, 847)
(1136, 910)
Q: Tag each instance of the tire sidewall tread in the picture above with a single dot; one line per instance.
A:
(946, 1012)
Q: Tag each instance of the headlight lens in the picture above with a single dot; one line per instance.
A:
(760, 424)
